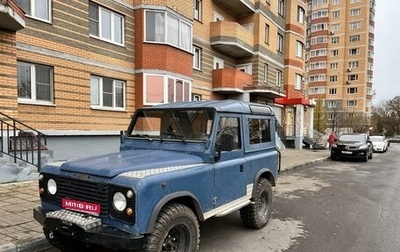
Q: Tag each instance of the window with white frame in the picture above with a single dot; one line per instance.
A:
(164, 27)
(319, 40)
(330, 116)
(369, 78)
(107, 93)
(299, 49)
(354, 51)
(266, 38)
(370, 91)
(318, 52)
(197, 9)
(317, 77)
(265, 72)
(336, 14)
(300, 14)
(278, 78)
(35, 83)
(319, 2)
(316, 90)
(351, 103)
(333, 78)
(332, 91)
(331, 104)
(353, 64)
(352, 90)
(352, 77)
(355, 12)
(281, 7)
(299, 82)
(334, 65)
(335, 27)
(334, 52)
(318, 65)
(165, 89)
(38, 9)
(335, 40)
(319, 14)
(354, 25)
(319, 27)
(335, 2)
(197, 57)
(106, 24)
(354, 38)
(279, 45)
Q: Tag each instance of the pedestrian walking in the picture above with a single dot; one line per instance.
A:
(332, 139)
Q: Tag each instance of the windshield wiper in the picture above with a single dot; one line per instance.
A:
(174, 136)
(144, 136)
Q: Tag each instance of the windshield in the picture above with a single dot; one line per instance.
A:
(173, 124)
(376, 138)
(354, 138)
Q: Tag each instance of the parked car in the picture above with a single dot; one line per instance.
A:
(394, 139)
(379, 143)
(352, 145)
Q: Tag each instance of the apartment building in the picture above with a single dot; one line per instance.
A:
(74, 69)
(340, 52)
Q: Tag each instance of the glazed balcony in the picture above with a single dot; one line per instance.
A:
(12, 17)
(229, 80)
(232, 39)
(238, 7)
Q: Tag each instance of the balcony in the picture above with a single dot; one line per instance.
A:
(232, 39)
(267, 91)
(238, 7)
(12, 17)
(229, 80)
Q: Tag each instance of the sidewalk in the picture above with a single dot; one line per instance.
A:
(20, 232)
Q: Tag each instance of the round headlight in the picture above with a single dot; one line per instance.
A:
(52, 186)
(119, 201)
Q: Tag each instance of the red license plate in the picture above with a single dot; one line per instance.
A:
(81, 206)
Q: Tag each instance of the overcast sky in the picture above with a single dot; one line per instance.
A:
(387, 50)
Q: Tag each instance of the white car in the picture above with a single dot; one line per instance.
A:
(379, 143)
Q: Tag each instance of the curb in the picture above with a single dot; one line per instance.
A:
(32, 244)
(295, 166)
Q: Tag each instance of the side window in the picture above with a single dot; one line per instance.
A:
(259, 131)
(228, 135)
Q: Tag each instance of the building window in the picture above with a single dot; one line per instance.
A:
(352, 90)
(355, 1)
(299, 82)
(335, 53)
(335, 14)
(333, 78)
(265, 72)
(196, 97)
(106, 24)
(354, 51)
(316, 90)
(197, 9)
(334, 65)
(351, 103)
(281, 7)
(318, 65)
(355, 25)
(163, 27)
(197, 58)
(331, 104)
(266, 34)
(355, 12)
(35, 83)
(319, 14)
(332, 91)
(278, 78)
(335, 27)
(107, 93)
(319, 2)
(299, 49)
(164, 89)
(353, 64)
(38, 9)
(319, 27)
(318, 52)
(354, 38)
(280, 43)
(335, 2)
(352, 77)
(330, 116)
(300, 14)
(335, 40)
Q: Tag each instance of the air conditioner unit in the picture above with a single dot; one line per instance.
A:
(331, 32)
(348, 82)
(348, 69)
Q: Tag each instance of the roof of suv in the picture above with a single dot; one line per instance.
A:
(232, 106)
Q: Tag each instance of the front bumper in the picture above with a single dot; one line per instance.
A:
(345, 153)
(90, 232)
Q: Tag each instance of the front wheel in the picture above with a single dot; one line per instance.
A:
(176, 229)
(257, 214)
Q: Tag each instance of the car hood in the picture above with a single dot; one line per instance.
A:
(113, 164)
(350, 143)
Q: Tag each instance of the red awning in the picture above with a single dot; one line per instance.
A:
(292, 101)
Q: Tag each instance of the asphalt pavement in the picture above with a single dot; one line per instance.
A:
(20, 232)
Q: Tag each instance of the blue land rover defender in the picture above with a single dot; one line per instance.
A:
(178, 164)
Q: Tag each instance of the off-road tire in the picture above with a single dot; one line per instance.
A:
(257, 214)
(176, 229)
(64, 243)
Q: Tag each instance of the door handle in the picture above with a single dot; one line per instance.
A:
(241, 168)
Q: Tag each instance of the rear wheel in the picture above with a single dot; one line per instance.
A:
(370, 155)
(176, 229)
(257, 215)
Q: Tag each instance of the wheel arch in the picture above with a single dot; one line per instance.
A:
(263, 173)
(184, 198)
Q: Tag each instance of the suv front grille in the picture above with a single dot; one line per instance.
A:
(82, 190)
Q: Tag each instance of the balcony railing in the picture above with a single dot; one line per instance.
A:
(20, 141)
(230, 80)
(12, 17)
(232, 39)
